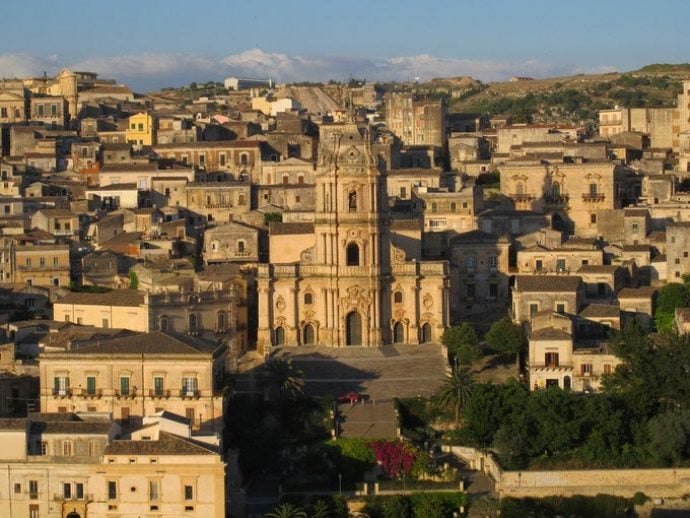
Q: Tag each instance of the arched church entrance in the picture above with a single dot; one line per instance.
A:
(398, 333)
(353, 329)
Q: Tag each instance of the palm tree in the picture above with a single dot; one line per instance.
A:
(456, 390)
(287, 511)
(285, 376)
(320, 510)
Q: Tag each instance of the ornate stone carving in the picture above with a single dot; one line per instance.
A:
(398, 255)
(428, 301)
(352, 154)
(357, 298)
(280, 303)
(307, 256)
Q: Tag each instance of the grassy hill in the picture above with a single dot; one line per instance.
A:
(576, 98)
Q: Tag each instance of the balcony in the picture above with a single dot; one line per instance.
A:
(62, 393)
(190, 394)
(159, 394)
(522, 198)
(559, 201)
(91, 394)
(129, 394)
(593, 197)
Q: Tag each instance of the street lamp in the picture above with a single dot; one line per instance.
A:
(340, 484)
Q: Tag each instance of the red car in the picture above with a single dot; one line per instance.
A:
(349, 397)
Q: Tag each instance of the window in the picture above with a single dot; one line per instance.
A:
(470, 263)
(452, 207)
(163, 324)
(533, 309)
(93, 448)
(635, 228)
(586, 369)
(352, 201)
(158, 385)
(53, 110)
(398, 297)
(240, 247)
(560, 265)
(67, 448)
(403, 192)
(220, 321)
(124, 385)
(17, 488)
(188, 492)
(193, 323)
(538, 265)
(79, 490)
(593, 218)
(308, 298)
(61, 385)
(241, 200)
(105, 323)
(42, 262)
(221, 159)
(67, 490)
(154, 490)
(560, 308)
(112, 490)
(585, 262)
(28, 261)
(3, 113)
(352, 255)
(493, 263)
(244, 159)
(133, 126)
(33, 489)
(91, 385)
(40, 109)
(551, 359)
(434, 207)
(593, 189)
(189, 386)
(202, 160)
(141, 126)
(607, 368)
(56, 262)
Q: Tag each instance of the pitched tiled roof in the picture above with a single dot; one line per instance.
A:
(279, 229)
(547, 283)
(549, 333)
(600, 311)
(167, 444)
(110, 298)
(141, 344)
(637, 293)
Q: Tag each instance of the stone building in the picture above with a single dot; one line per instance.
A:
(216, 201)
(418, 121)
(231, 242)
(535, 293)
(677, 250)
(351, 286)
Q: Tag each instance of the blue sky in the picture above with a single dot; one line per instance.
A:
(154, 43)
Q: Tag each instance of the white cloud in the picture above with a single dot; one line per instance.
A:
(150, 70)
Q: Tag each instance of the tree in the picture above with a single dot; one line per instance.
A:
(288, 379)
(462, 344)
(133, 280)
(669, 435)
(398, 507)
(456, 390)
(287, 510)
(671, 296)
(507, 338)
(320, 509)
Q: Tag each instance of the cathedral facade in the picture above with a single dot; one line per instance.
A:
(352, 286)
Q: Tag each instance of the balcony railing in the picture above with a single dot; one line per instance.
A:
(159, 394)
(191, 394)
(91, 394)
(550, 199)
(522, 198)
(129, 394)
(593, 197)
(62, 393)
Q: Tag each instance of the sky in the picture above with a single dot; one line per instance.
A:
(150, 44)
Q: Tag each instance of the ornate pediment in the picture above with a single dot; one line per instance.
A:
(356, 298)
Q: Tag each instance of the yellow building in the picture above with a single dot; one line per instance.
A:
(41, 265)
(78, 466)
(135, 376)
(141, 130)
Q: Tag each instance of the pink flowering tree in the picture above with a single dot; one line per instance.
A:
(395, 458)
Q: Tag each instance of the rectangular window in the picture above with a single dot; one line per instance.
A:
(91, 385)
(403, 192)
(79, 490)
(112, 490)
(607, 368)
(158, 385)
(188, 492)
(33, 487)
(17, 488)
(533, 309)
(67, 448)
(41, 110)
(241, 200)
(105, 323)
(67, 490)
(586, 369)
(560, 265)
(538, 265)
(189, 386)
(560, 308)
(61, 385)
(592, 218)
(124, 386)
(221, 159)
(493, 263)
(56, 262)
(551, 359)
(154, 493)
(33, 511)
(53, 110)
(42, 262)
(635, 228)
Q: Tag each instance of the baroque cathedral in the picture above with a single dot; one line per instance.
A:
(354, 284)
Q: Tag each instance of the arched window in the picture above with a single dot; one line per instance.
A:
(352, 201)
(193, 323)
(352, 254)
(220, 321)
(244, 159)
(308, 298)
(470, 263)
(398, 297)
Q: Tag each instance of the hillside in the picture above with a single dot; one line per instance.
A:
(576, 98)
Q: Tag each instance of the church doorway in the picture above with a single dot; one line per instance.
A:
(279, 335)
(398, 333)
(426, 333)
(353, 329)
(308, 335)
(73, 514)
